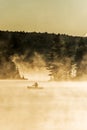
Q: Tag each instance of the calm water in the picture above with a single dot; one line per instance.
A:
(58, 106)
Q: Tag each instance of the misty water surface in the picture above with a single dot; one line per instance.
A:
(58, 106)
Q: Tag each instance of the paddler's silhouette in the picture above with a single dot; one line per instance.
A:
(35, 85)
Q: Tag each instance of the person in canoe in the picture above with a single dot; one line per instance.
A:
(35, 85)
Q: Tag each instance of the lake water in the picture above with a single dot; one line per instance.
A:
(58, 106)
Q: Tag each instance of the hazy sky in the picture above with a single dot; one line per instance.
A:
(55, 16)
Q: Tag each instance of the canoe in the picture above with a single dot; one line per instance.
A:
(29, 87)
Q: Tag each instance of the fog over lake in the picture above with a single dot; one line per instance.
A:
(58, 106)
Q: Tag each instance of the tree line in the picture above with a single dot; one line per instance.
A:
(65, 56)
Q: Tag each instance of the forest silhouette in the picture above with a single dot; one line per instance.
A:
(65, 56)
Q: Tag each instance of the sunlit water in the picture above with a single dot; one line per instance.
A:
(58, 106)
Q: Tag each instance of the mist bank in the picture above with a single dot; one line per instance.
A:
(42, 56)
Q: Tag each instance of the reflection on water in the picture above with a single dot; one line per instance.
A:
(58, 106)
